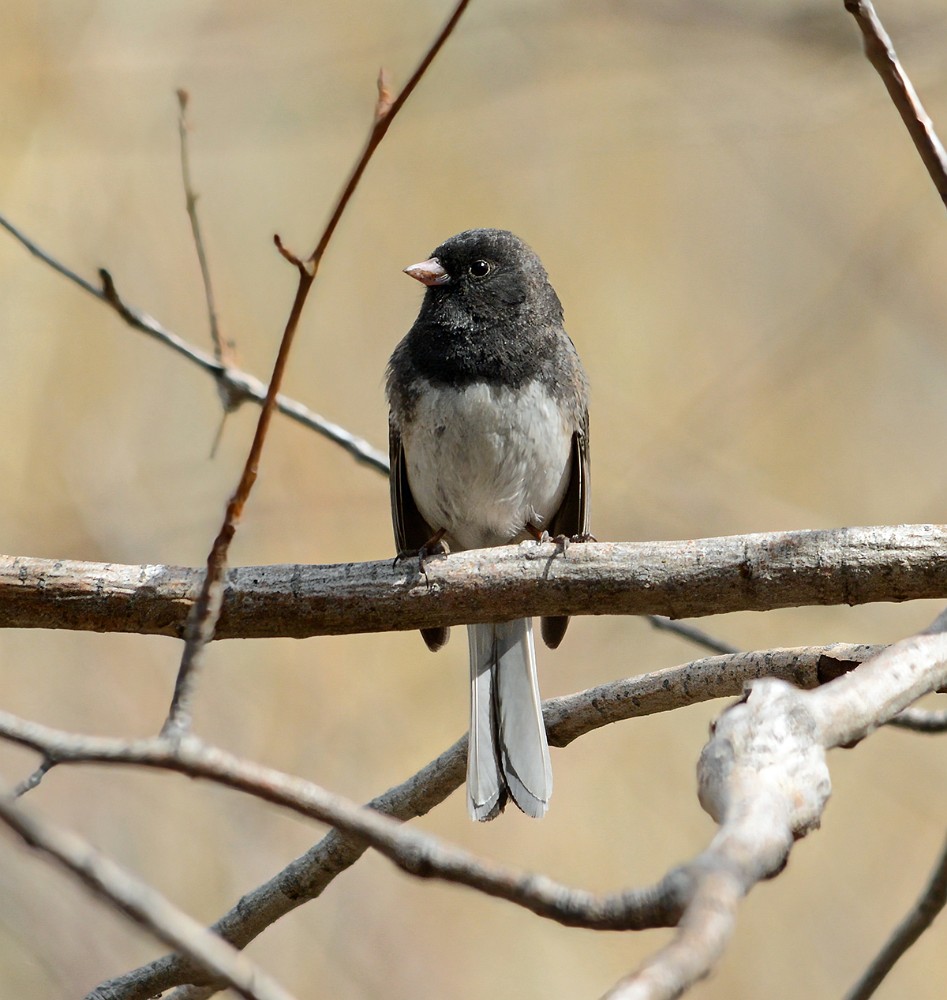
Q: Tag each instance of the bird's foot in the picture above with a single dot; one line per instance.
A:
(562, 541)
(432, 547)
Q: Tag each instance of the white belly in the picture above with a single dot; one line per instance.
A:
(483, 462)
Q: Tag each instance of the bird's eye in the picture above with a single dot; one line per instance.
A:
(480, 268)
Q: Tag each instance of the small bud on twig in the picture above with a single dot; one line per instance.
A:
(385, 98)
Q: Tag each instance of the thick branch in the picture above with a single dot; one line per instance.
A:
(764, 778)
(679, 579)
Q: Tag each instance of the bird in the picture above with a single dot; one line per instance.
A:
(489, 446)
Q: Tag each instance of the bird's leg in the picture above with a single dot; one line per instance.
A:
(432, 547)
(540, 535)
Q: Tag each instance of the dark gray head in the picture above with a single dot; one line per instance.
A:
(489, 315)
(486, 276)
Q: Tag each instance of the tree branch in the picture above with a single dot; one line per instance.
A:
(239, 385)
(764, 778)
(567, 718)
(137, 900)
(205, 611)
(680, 579)
(920, 720)
(756, 779)
(691, 633)
(414, 851)
(880, 53)
(223, 349)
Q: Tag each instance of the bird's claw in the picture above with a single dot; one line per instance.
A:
(432, 547)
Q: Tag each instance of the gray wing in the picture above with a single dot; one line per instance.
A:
(412, 532)
(571, 519)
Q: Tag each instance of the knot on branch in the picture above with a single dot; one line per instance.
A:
(763, 775)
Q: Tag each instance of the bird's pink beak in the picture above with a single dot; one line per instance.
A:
(428, 272)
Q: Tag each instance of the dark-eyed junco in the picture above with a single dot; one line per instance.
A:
(489, 445)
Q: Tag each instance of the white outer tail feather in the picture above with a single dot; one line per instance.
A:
(508, 753)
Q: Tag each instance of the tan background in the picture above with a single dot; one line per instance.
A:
(752, 263)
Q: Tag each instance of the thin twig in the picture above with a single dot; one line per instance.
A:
(243, 386)
(692, 634)
(385, 111)
(223, 349)
(880, 53)
(203, 620)
(922, 915)
(146, 906)
(920, 720)
(32, 780)
(413, 850)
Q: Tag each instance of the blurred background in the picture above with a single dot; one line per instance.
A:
(751, 259)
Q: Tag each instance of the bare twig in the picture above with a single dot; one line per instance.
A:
(385, 111)
(692, 634)
(412, 850)
(223, 349)
(203, 618)
(128, 894)
(880, 52)
(31, 781)
(920, 720)
(37, 251)
(242, 386)
(922, 915)
(681, 579)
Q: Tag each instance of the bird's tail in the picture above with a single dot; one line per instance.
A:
(508, 755)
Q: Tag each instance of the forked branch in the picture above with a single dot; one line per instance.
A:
(202, 620)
